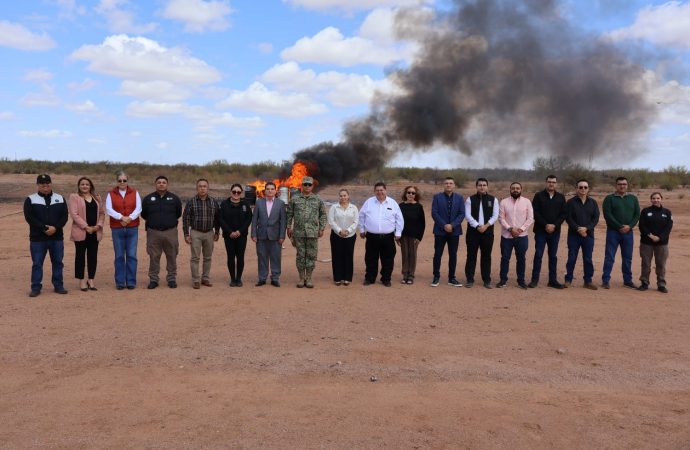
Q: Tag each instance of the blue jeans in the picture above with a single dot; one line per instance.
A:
(575, 242)
(614, 239)
(38, 255)
(125, 246)
(541, 240)
(520, 245)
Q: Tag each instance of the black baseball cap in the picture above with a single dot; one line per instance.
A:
(43, 179)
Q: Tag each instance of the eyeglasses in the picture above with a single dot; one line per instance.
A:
(236, 192)
(121, 181)
(306, 184)
(411, 193)
(583, 187)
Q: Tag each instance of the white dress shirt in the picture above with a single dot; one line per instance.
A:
(381, 217)
(340, 218)
(475, 222)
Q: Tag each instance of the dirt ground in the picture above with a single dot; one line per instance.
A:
(264, 367)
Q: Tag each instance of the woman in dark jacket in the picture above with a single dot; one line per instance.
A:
(413, 231)
(655, 226)
(235, 218)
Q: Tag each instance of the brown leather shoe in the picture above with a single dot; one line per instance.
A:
(591, 286)
(206, 283)
(196, 285)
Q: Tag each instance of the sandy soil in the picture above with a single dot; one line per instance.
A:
(292, 368)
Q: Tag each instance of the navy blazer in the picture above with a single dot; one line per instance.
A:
(439, 212)
(265, 227)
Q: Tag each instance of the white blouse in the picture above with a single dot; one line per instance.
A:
(340, 218)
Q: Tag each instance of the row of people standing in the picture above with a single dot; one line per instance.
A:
(381, 221)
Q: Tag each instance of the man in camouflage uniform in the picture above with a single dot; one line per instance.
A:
(306, 220)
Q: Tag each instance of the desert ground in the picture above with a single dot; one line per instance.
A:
(340, 367)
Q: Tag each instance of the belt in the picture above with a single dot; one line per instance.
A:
(161, 229)
(380, 236)
(203, 231)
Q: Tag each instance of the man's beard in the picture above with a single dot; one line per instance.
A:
(515, 195)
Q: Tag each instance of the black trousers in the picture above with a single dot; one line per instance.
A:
(479, 241)
(439, 244)
(86, 253)
(342, 253)
(235, 249)
(379, 246)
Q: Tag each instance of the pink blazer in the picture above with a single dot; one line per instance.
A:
(77, 211)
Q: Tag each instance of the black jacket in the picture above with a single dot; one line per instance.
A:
(43, 210)
(161, 212)
(235, 217)
(657, 221)
(582, 215)
(413, 217)
(548, 210)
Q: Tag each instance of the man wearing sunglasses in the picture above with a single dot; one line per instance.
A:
(306, 220)
(582, 215)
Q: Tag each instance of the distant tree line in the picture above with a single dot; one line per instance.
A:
(223, 172)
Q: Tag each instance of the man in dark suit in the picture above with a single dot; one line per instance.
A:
(448, 212)
(268, 231)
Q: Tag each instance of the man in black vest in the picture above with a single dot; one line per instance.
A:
(549, 213)
(481, 211)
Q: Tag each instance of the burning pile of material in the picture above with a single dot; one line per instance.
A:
(299, 170)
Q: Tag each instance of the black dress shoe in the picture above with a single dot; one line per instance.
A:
(533, 284)
(386, 283)
(119, 288)
(238, 283)
(367, 283)
(152, 285)
(555, 285)
(662, 289)
(60, 290)
(130, 287)
(35, 293)
(260, 283)
(522, 285)
(275, 283)
(172, 284)
(488, 286)
(630, 284)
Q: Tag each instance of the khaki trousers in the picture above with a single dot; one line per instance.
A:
(157, 243)
(408, 248)
(660, 254)
(202, 244)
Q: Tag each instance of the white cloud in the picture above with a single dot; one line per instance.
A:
(671, 97)
(120, 19)
(199, 15)
(353, 5)
(46, 97)
(342, 89)
(46, 133)
(6, 115)
(70, 8)
(142, 59)
(83, 108)
(204, 120)
(19, 37)
(38, 75)
(135, 133)
(665, 25)
(162, 145)
(85, 85)
(159, 91)
(265, 48)
(379, 26)
(329, 46)
(260, 99)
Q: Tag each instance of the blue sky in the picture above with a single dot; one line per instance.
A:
(193, 81)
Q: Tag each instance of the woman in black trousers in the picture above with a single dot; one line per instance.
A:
(88, 215)
(343, 218)
(235, 218)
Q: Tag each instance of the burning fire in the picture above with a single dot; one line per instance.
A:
(300, 169)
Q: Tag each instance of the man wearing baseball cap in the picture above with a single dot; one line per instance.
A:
(46, 213)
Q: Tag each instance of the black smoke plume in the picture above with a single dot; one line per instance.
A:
(503, 81)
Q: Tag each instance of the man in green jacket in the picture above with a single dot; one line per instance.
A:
(306, 220)
(621, 212)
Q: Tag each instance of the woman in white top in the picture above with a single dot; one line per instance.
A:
(343, 218)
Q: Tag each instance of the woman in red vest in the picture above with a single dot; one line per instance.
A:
(123, 205)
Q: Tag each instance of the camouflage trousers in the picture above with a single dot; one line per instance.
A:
(307, 250)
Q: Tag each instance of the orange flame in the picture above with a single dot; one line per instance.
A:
(300, 169)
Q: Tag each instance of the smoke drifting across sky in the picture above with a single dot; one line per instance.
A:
(511, 80)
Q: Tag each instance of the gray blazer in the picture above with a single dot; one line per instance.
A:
(269, 228)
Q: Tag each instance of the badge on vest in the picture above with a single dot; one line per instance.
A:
(153, 199)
